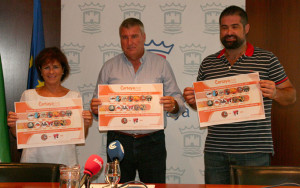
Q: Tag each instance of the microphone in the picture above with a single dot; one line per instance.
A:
(115, 151)
(92, 166)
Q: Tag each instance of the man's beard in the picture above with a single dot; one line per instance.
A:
(232, 44)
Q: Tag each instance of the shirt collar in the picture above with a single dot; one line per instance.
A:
(142, 60)
(249, 51)
(143, 57)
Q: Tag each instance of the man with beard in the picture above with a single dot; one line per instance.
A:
(246, 143)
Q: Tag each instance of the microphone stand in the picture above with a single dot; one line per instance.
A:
(116, 162)
(87, 182)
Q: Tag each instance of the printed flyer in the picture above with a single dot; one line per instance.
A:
(130, 107)
(49, 123)
(229, 99)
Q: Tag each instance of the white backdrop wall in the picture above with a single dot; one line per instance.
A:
(183, 31)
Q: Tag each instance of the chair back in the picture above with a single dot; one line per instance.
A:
(264, 175)
(29, 172)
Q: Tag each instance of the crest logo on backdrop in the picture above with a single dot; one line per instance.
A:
(174, 175)
(160, 49)
(72, 52)
(212, 13)
(202, 172)
(78, 153)
(192, 58)
(110, 51)
(91, 17)
(192, 146)
(103, 144)
(87, 94)
(84, 29)
(132, 10)
(172, 18)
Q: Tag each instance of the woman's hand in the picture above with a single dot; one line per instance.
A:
(88, 120)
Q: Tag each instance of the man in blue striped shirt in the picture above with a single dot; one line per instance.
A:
(248, 142)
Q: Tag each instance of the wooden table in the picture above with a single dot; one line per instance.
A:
(56, 185)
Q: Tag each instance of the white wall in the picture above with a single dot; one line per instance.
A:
(185, 31)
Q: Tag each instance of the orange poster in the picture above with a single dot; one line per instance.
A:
(49, 123)
(130, 107)
(230, 99)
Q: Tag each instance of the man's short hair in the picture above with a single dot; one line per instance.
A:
(235, 10)
(131, 22)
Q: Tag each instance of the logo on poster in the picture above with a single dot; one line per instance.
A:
(91, 14)
(72, 52)
(132, 10)
(129, 88)
(192, 58)
(48, 104)
(228, 81)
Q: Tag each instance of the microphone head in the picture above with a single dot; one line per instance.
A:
(115, 151)
(93, 165)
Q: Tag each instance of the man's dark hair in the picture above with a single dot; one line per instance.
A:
(235, 10)
(131, 22)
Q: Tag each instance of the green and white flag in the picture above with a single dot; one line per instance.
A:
(4, 137)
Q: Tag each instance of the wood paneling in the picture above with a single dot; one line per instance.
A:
(275, 26)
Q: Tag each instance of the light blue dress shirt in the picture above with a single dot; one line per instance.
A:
(153, 69)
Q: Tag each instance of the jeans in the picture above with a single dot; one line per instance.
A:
(147, 155)
(217, 165)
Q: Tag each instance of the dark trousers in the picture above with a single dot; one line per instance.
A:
(147, 155)
(217, 165)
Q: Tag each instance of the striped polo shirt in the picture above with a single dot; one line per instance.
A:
(248, 136)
